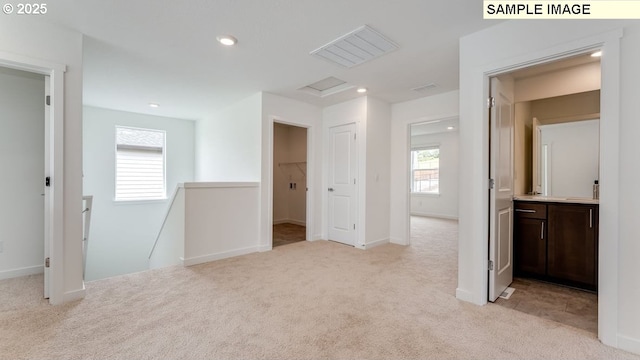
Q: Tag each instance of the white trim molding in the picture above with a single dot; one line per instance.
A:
(25, 271)
(218, 256)
(75, 294)
(376, 243)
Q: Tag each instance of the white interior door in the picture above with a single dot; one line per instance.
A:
(46, 191)
(22, 161)
(501, 193)
(342, 184)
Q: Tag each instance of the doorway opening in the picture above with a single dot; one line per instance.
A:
(433, 198)
(549, 243)
(23, 245)
(289, 184)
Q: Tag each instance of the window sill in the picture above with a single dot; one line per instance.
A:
(139, 202)
(425, 194)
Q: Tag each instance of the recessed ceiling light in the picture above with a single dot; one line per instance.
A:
(227, 40)
(362, 90)
(450, 128)
(154, 105)
(597, 53)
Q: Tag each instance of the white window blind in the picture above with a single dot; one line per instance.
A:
(140, 165)
(425, 170)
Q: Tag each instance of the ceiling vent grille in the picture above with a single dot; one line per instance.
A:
(356, 47)
(326, 87)
(424, 88)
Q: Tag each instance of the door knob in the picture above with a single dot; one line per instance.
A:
(331, 189)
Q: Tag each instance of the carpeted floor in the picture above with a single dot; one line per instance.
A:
(308, 300)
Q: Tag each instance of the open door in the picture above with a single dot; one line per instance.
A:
(501, 188)
(342, 184)
(46, 182)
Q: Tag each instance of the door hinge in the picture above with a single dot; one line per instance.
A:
(354, 226)
(47, 262)
(47, 99)
(492, 183)
(47, 181)
(491, 102)
(490, 265)
(354, 136)
(354, 181)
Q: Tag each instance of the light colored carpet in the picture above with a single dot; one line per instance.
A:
(308, 300)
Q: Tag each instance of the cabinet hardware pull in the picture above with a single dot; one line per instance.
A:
(542, 231)
(590, 218)
(525, 211)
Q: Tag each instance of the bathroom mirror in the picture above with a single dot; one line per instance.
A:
(557, 148)
(568, 157)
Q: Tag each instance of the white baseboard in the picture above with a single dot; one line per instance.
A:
(464, 295)
(218, 256)
(14, 273)
(317, 237)
(439, 216)
(373, 244)
(75, 294)
(263, 248)
(629, 344)
(289, 221)
(397, 241)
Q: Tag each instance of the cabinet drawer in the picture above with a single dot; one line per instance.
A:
(530, 210)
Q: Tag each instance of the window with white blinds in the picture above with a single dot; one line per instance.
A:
(140, 165)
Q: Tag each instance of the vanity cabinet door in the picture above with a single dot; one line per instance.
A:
(530, 246)
(572, 243)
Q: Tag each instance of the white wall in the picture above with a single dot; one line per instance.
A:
(214, 229)
(292, 112)
(228, 143)
(523, 139)
(577, 79)
(372, 118)
(169, 247)
(441, 106)
(444, 204)
(281, 175)
(377, 172)
(514, 42)
(572, 157)
(122, 233)
(34, 37)
(22, 162)
(290, 146)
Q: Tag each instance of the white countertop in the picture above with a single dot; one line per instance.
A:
(558, 199)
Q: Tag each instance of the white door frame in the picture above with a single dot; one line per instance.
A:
(407, 171)
(268, 182)
(609, 168)
(54, 156)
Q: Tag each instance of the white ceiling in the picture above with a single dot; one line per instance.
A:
(434, 127)
(161, 51)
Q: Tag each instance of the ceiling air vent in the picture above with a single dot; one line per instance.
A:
(424, 88)
(325, 87)
(356, 47)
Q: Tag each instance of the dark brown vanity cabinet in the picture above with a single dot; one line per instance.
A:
(530, 239)
(557, 242)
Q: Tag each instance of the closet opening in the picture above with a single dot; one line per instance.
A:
(289, 184)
